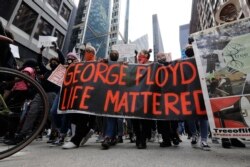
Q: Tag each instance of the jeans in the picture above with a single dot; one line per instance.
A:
(111, 127)
(120, 130)
(60, 121)
(35, 110)
(203, 128)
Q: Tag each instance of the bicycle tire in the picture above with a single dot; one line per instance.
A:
(43, 116)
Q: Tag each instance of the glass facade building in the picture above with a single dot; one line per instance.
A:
(97, 26)
(157, 39)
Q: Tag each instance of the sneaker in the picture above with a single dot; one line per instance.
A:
(119, 140)
(69, 145)
(165, 144)
(141, 146)
(226, 143)
(176, 141)
(99, 138)
(237, 143)
(113, 141)
(106, 143)
(86, 138)
(53, 136)
(14, 141)
(58, 142)
(205, 146)
(215, 140)
(194, 140)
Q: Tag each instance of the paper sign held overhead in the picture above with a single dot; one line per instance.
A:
(46, 41)
(15, 51)
(125, 50)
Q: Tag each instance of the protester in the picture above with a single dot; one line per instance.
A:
(203, 123)
(61, 121)
(84, 123)
(51, 91)
(168, 129)
(113, 125)
(142, 127)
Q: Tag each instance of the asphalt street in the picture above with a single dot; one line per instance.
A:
(40, 154)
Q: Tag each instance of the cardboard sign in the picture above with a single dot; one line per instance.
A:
(57, 75)
(46, 41)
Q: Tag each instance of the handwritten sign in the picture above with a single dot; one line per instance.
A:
(125, 50)
(46, 41)
(57, 75)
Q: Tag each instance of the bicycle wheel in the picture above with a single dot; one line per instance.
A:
(13, 114)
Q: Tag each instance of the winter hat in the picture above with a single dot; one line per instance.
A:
(30, 70)
(72, 55)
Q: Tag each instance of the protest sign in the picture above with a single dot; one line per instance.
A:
(150, 91)
(222, 55)
(125, 50)
(46, 41)
(57, 75)
(15, 51)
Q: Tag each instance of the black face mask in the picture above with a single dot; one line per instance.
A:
(53, 66)
(161, 61)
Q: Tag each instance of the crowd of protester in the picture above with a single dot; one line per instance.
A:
(73, 130)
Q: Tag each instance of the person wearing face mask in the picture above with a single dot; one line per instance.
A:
(61, 122)
(89, 54)
(167, 128)
(114, 126)
(50, 88)
(142, 127)
(84, 123)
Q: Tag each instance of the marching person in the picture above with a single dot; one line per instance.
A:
(84, 123)
(142, 126)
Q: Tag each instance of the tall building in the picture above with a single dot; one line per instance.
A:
(28, 19)
(92, 25)
(207, 14)
(157, 39)
(115, 26)
(183, 38)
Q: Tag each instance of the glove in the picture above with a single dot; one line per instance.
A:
(54, 44)
(42, 48)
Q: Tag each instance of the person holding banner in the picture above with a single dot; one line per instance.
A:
(203, 123)
(142, 126)
(84, 123)
(113, 125)
(168, 129)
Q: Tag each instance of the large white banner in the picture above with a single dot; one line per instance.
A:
(223, 58)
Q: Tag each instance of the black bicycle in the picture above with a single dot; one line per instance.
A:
(17, 92)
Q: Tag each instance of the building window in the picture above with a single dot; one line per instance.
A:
(60, 38)
(44, 28)
(55, 4)
(65, 12)
(25, 18)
